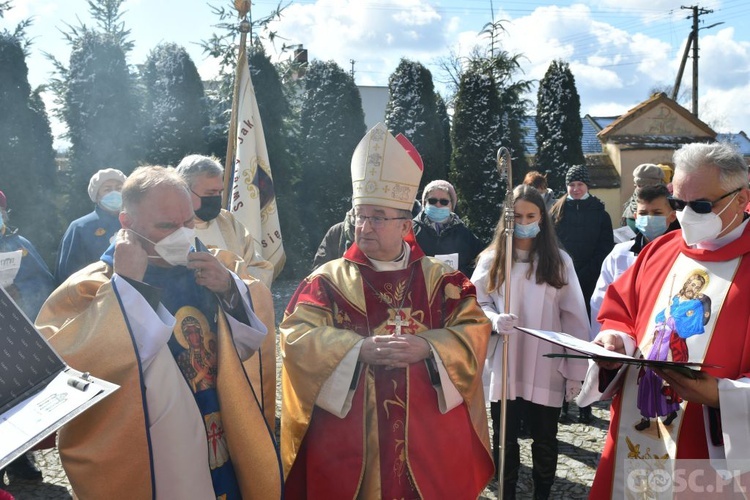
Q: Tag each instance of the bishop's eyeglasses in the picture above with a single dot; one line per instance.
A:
(376, 221)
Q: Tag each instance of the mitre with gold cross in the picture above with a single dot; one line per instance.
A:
(386, 170)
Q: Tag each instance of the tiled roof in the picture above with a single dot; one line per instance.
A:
(589, 141)
(601, 171)
(740, 140)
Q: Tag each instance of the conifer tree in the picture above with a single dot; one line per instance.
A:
(559, 127)
(412, 111)
(445, 129)
(489, 108)
(27, 170)
(332, 123)
(475, 138)
(175, 108)
(98, 102)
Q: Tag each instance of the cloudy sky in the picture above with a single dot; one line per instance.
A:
(618, 50)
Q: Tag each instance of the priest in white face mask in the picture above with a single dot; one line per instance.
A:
(683, 300)
(166, 321)
(88, 237)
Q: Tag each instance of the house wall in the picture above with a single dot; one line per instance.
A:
(657, 124)
(630, 159)
(611, 199)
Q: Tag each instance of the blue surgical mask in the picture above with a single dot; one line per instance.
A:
(437, 214)
(112, 201)
(651, 226)
(525, 231)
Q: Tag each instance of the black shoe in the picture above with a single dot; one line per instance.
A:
(670, 418)
(643, 424)
(23, 468)
(584, 415)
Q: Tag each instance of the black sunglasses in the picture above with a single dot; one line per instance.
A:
(442, 201)
(699, 206)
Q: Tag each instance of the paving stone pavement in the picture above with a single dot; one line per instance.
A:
(580, 448)
(579, 451)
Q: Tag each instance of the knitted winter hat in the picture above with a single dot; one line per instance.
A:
(578, 173)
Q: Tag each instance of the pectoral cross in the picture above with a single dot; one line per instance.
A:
(397, 321)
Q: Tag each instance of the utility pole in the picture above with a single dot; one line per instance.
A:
(692, 38)
(352, 61)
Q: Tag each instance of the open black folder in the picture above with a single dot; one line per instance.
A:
(39, 393)
(589, 350)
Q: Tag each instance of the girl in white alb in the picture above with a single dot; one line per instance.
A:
(545, 295)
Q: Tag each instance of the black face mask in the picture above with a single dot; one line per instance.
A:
(210, 208)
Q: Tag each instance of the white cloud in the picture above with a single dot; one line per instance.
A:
(607, 109)
(209, 68)
(726, 110)
(724, 63)
(375, 35)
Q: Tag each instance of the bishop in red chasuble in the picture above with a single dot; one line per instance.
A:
(383, 352)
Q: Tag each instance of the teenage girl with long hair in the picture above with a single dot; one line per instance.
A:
(545, 295)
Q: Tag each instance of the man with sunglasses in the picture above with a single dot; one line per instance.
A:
(441, 233)
(368, 341)
(710, 194)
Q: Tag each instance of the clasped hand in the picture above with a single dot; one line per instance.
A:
(395, 351)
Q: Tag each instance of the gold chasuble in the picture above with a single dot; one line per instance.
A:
(394, 442)
(106, 451)
(261, 368)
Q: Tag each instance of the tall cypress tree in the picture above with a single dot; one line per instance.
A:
(475, 138)
(175, 107)
(445, 130)
(412, 111)
(100, 110)
(97, 99)
(558, 122)
(332, 123)
(27, 169)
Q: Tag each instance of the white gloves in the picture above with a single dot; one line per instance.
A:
(504, 323)
(572, 389)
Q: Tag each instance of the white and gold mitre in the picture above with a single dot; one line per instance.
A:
(386, 170)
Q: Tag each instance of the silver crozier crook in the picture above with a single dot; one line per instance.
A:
(505, 171)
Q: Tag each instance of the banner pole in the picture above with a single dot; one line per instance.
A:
(232, 134)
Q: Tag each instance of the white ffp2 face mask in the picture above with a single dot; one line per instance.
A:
(174, 248)
(698, 228)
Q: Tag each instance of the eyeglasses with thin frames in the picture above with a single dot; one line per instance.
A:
(442, 201)
(699, 206)
(376, 221)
